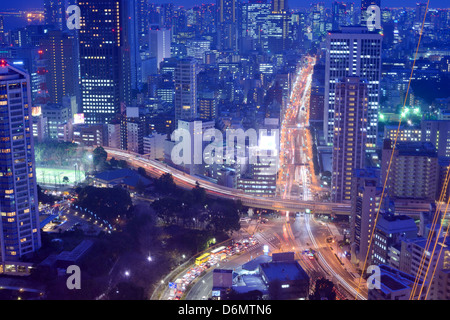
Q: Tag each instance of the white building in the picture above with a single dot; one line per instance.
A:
(154, 146)
(159, 44)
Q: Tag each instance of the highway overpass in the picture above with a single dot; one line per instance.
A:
(183, 180)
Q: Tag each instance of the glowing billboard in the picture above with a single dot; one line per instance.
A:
(78, 118)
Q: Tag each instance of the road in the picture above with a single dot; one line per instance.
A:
(296, 175)
(156, 168)
(296, 181)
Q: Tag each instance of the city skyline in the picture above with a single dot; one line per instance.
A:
(22, 4)
(227, 151)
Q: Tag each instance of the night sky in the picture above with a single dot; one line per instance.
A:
(24, 4)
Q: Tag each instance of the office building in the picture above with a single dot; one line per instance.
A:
(55, 114)
(104, 59)
(188, 155)
(404, 134)
(207, 105)
(390, 230)
(353, 52)
(437, 257)
(438, 133)
(365, 202)
(349, 141)
(186, 89)
(159, 44)
(19, 224)
(419, 158)
(58, 53)
(154, 146)
(55, 13)
(227, 24)
(394, 285)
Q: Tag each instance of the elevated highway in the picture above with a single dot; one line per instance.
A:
(156, 168)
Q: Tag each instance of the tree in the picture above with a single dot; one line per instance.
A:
(142, 171)
(167, 209)
(165, 184)
(198, 194)
(324, 290)
(65, 179)
(99, 156)
(224, 216)
(107, 203)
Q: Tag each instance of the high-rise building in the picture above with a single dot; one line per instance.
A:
(317, 21)
(19, 224)
(365, 201)
(159, 44)
(55, 13)
(353, 52)
(2, 32)
(104, 59)
(389, 231)
(349, 142)
(419, 158)
(166, 15)
(438, 133)
(207, 105)
(254, 26)
(278, 39)
(421, 260)
(186, 89)
(279, 5)
(58, 53)
(342, 14)
(227, 24)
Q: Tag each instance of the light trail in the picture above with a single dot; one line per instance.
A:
(187, 181)
(329, 268)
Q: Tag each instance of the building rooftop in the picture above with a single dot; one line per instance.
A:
(283, 271)
(390, 223)
(122, 176)
(417, 149)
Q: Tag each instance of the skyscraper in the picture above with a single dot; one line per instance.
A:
(19, 224)
(279, 5)
(350, 135)
(227, 24)
(353, 52)
(57, 49)
(278, 31)
(186, 89)
(104, 59)
(159, 44)
(365, 200)
(54, 13)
